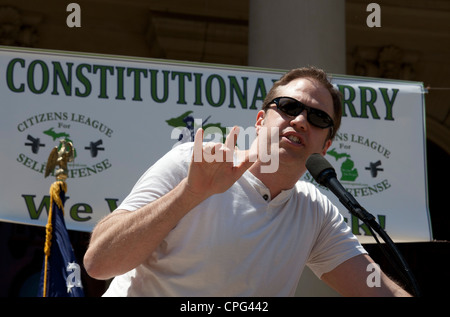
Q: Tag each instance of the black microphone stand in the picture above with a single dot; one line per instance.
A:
(324, 174)
(397, 261)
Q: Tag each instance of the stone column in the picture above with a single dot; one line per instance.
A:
(285, 34)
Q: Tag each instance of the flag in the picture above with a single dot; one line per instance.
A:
(60, 275)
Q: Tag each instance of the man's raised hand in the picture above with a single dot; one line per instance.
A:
(212, 169)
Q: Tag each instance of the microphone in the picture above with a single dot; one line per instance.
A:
(324, 174)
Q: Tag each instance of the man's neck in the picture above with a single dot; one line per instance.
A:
(281, 179)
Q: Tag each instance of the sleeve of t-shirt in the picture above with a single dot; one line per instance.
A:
(335, 242)
(160, 178)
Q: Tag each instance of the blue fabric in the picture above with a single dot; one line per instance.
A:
(62, 276)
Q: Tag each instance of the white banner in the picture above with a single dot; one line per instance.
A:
(121, 115)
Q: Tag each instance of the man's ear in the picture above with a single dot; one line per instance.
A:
(260, 118)
(326, 146)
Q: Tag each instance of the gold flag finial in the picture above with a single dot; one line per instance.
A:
(60, 157)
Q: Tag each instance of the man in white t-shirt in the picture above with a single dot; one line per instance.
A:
(209, 220)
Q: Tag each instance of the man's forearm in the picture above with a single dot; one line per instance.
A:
(124, 239)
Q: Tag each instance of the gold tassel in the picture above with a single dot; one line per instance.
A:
(55, 190)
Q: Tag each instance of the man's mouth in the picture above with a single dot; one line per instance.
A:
(294, 139)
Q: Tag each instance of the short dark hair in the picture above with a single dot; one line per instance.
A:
(321, 77)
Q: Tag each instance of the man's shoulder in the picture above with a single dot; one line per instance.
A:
(181, 151)
(183, 147)
(305, 186)
(311, 191)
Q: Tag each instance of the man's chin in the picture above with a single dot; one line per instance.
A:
(291, 156)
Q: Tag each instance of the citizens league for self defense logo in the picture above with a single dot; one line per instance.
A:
(42, 132)
(361, 164)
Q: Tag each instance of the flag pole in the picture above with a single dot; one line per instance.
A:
(58, 156)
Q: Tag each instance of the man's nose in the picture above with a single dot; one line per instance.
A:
(300, 121)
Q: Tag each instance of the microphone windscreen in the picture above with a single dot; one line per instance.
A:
(316, 164)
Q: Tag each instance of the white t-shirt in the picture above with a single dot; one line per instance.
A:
(236, 243)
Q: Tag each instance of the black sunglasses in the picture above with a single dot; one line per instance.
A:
(292, 107)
